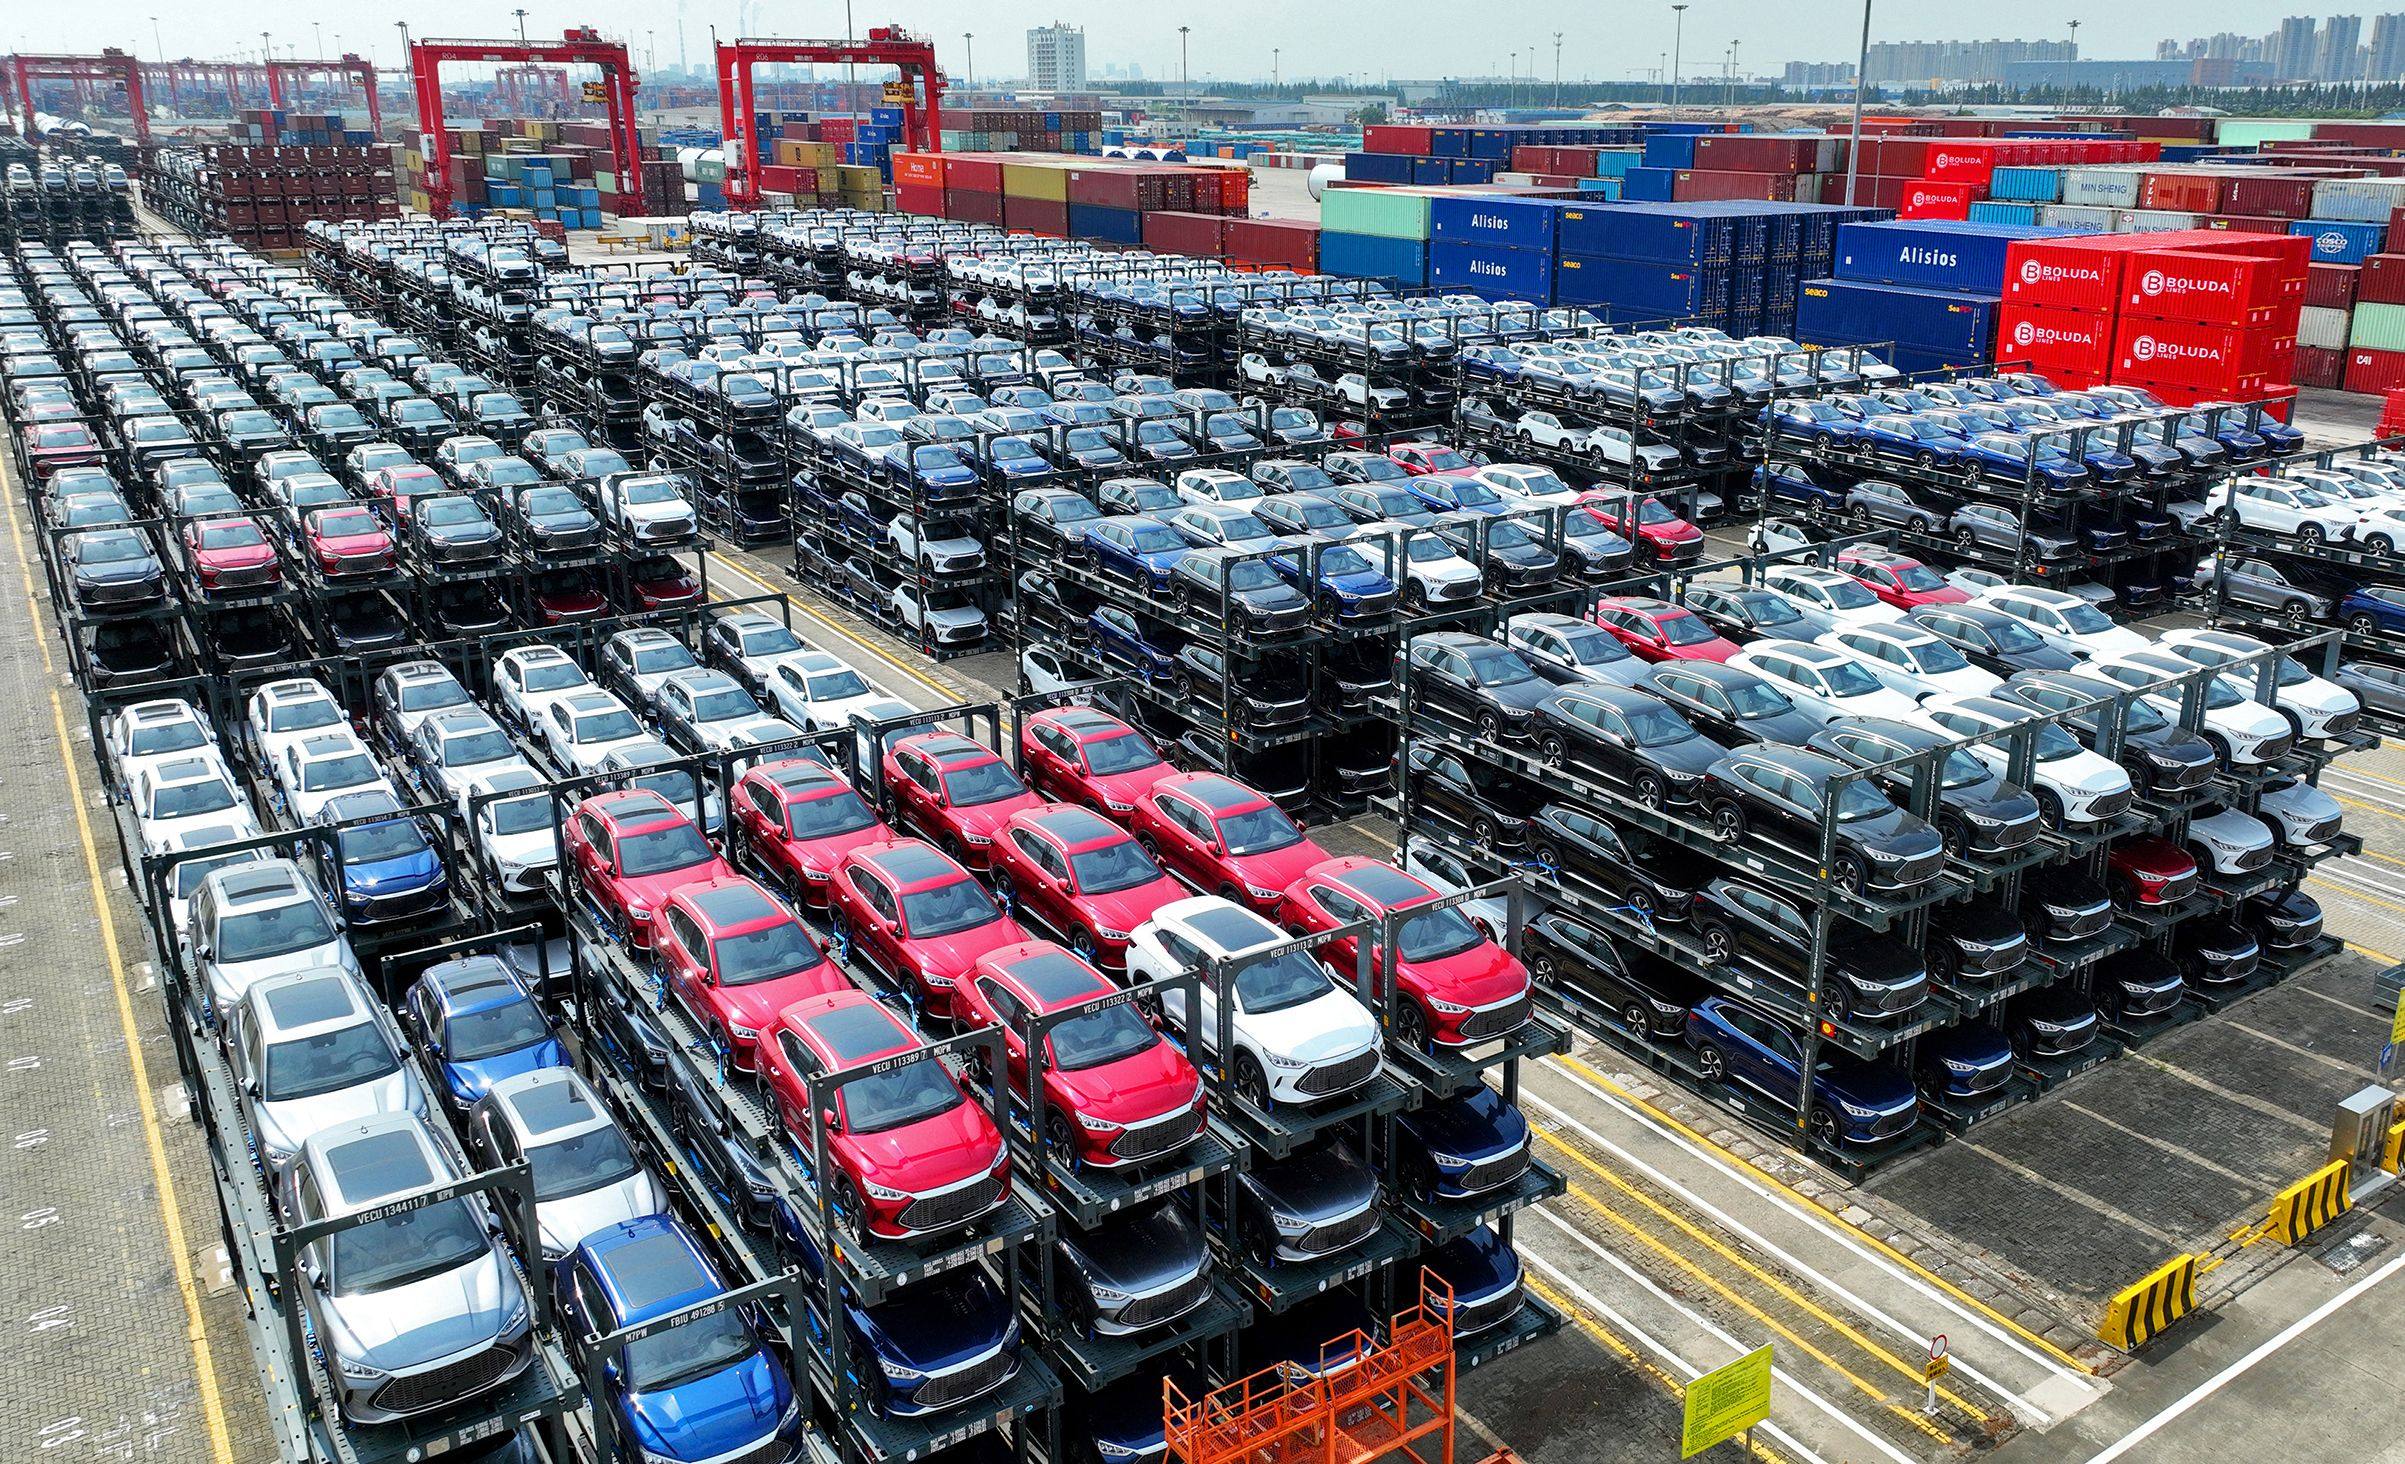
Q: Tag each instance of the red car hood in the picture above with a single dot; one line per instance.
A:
(1156, 1081)
(1716, 649)
(1681, 532)
(652, 890)
(668, 591)
(1124, 910)
(824, 854)
(988, 818)
(242, 558)
(1942, 595)
(1277, 870)
(354, 543)
(1125, 788)
(953, 955)
(582, 603)
(952, 1146)
(1480, 976)
(756, 1005)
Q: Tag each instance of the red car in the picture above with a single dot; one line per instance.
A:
(662, 581)
(910, 1150)
(2151, 871)
(349, 540)
(1115, 1091)
(1648, 523)
(1656, 630)
(955, 791)
(1080, 755)
(1902, 582)
(905, 909)
(1422, 459)
(1082, 876)
(1224, 838)
(566, 594)
(52, 447)
(1461, 987)
(734, 958)
(230, 553)
(799, 818)
(632, 850)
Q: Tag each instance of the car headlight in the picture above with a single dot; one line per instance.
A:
(968, 838)
(1678, 776)
(636, 910)
(900, 1372)
(1289, 1064)
(1856, 1111)
(1108, 934)
(1884, 856)
(1449, 1008)
(747, 1034)
(1098, 1125)
(1110, 1295)
(880, 1192)
(1259, 893)
(356, 1371)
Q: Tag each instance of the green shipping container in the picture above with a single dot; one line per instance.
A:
(1387, 213)
(2378, 327)
(2242, 134)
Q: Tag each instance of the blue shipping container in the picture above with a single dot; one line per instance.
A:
(1665, 234)
(1513, 274)
(1431, 170)
(2027, 185)
(1114, 225)
(1638, 288)
(1449, 142)
(1673, 150)
(2341, 241)
(1857, 311)
(1402, 263)
(1365, 167)
(1988, 211)
(1937, 254)
(1509, 223)
(1649, 185)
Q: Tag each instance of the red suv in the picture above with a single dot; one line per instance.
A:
(1903, 582)
(1115, 1091)
(910, 1150)
(1080, 755)
(230, 553)
(799, 818)
(2152, 871)
(1424, 459)
(1656, 630)
(1224, 838)
(1648, 523)
(955, 791)
(906, 909)
(735, 957)
(349, 540)
(1461, 987)
(1081, 875)
(632, 850)
(53, 447)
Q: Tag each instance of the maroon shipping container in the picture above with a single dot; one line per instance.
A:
(2332, 286)
(972, 207)
(1121, 188)
(1036, 215)
(1201, 235)
(2245, 224)
(923, 199)
(2278, 195)
(2316, 366)
(2382, 281)
(1700, 184)
(974, 173)
(1768, 153)
(2183, 192)
(1201, 191)
(1274, 241)
(2375, 371)
(1895, 157)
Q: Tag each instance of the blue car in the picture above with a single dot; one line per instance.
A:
(1927, 441)
(936, 1344)
(1965, 1062)
(1449, 494)
(2104, 460)
(388, 869)
(476, 1024)
(1323, 1337)
(1136, 547)
(1119, 639)
(1492, 363)
(2368, 611)
(1462, 1146)
(1484, 1273)
(1796, 484)
(1853, 1102)
(2014, 460)
(706, 1389)
(1347, 583)
(937, 468)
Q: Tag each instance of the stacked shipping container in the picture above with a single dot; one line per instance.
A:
(1928, 287)
(263, 196)
(1107, 200)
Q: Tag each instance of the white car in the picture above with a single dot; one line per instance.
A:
(530, 678)
(148, 731)
(317, 770)
(1443, 871)
(1525, 485)
(2225, 841)
(2072, 784)
(1544, 429)
(2382, 529)
(1614, 445)
(819, 692)
(451, 751)
(1298, 1037)
(510, 825)
(699, 708)
(1216, 485)
(283, 712)
(580, 730)
(1567, 649)
(184, 877)
(256, 920)
(2066, 622)
(1822, 681)
(588, 1176)
(2288, 508)
(748, 644)
(1831, 592)
(636, 662)
(1433, 574)
(2241, 729)
(1355, 388)
(408, 694)
(1912, 660)
(944, 618)
(944, 546)
(649, 508)
(2318, 707)
(1047, 672)
(177, 797)
(696, 797)
(2300, 815)
(311, 1049)
(751, 733)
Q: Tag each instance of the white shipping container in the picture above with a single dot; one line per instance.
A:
(2154, 221)
(2102, 187)
(2076, 216)
(2319, 325)
(2365, 200)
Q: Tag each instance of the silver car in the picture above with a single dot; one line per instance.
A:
(586, 1178)
(418, 1308)
(253, 921)
(312, 1049)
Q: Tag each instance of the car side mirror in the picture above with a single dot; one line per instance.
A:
(829, 1118)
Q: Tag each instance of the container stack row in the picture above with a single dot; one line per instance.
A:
(301, 129)
(263, 196)
(1021, 129)
(1106, 200)
(1929, 287)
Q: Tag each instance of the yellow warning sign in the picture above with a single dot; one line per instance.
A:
(900, 94)
(597, 91)
(2396, 1024)
(1725, 1402)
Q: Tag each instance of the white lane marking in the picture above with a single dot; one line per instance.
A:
(1825, 1224)
(2244, 1365)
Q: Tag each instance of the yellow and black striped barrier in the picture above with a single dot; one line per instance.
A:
(2310, 1203)
(2392, 1152)
(2139, 1313)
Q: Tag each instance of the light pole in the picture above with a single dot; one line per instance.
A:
(1862, 66)
(2071, 62)
(1730, 99)
(1557, 68)
(968, 42)
(1184, 83)
(1678, 37)
(318, 38)
(1273, 66)
(520, 13)
(156, 39)
(266, 51)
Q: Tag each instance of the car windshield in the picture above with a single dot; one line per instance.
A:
(1858, 800)
(1848, 678)
(1428, 548)
(1282, 981)
(1685, 630)
(111, 549)
(191, 872)
(663, 848)
(764, 954)
(718, 706)
(180, 735)
(1653, 511)
(1491, 668)
(1436, 935)
(553, 502)
(1338, 559)
(281, 930)
(1101, 1037)
(842, 812)
(2084, 619)
(1124, 753)
(1919, 577)
(1657, 726)
(2014, 638)
(514, 1024)
(981, 783)
(688, 1351)
(607, 726)
(581, 1162)
(1261, 830)
(186, 800)
(1936, 657)
(554, 676)
(326, 1062)
(344, 771)
(837, 685)
(451, 511)
(911, 1093)
(488, 745)
(397, 1249)
(378, 843)
(1154, 539)
(1113, 867)
(520, 815)
(948, 909)
(1845, 594)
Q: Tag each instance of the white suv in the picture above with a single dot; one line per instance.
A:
(1912, 660)
(530, 678)
(2317, 707)
(1833, 593)
(2066, 622)
(1823, 681)
(2072, 784)
(2241, 729)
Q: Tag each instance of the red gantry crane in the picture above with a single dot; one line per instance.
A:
(580, 47)
(350, 68)
(111, 65)
(887, 45)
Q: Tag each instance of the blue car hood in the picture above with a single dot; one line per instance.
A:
(389, 876)
(711, 1415)
(470, 1081)
(936, 1323)
(1469, 1128)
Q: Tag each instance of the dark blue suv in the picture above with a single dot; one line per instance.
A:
(1462, 1146)
(1853, 1102)
(476, 1024)
(386, 869)
(934, 1345)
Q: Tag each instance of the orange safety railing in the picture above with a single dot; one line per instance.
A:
(1368, 1401)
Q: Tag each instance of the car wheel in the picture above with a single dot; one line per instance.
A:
(1957, 839)
(2312, 533)
(1414, 598)
(1482, 831)
(1150, 845)
(1712, 1063)
(2362, 624)
(1632, 1017)
(839, 933)
(2380, 544)
(1822, 1126)
(1925, 459)
(1261, 1244)
(1490, 727)
(1542, 966)
(1085, 946)
(2295, 609)
(1728, 823)
(1861, 516)
(1006, 893)
(1552, 748)
(2050, 808)
(1252, 1085)
(1650, 791)
(1640, 903)
(1847, 874)
(1718, 941)
(851, 1210)
(1411, 1027)
(1061, 1136)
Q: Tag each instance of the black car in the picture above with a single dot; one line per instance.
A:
(1730, 704)
(1373, 503)
(2216, 951)
(128, 653)
(1133, 1271)
(1246, 591)
(1975, 941)
(549, 519)
(1990, 639)
(1259, 697)
(112, 569)
(364, 622)
(2160, 759)
(1303, 1208)
(1120, 496)
(253, 637)
(2050, 1022)
(1867, 974)
(1473, 678)
(2060, 905)
(2283, 920)
(1978, 813)
(2139, 985)
(1747, 612)
(1294, 514)
(1628, 738)
(1652, 878)
(1494, 806)
(1650, 996)
(1352, 676)
(457, 611)
(1786, 793)
(451, 528)
(1054, 519)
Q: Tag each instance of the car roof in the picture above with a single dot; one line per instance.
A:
(911, 863)
(1789, 760)
(375, 1158)
(648, 1268)
(852, 1027)
(1047, 976)
(728, 902)
(300, 1003)
(1072, 826)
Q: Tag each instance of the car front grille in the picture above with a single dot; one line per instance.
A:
(2012, 836)
(1487, 1174)
(260, 575)
(416, 1392)
(1990, 958)
(2252, 860)
(957, 563)
(2240, 966)
(2177, 888)
(1339, 1077)
(972, 1380)
(1278, 713)
(2184, 777)
(1149, 1140)
(2112, 805)
(1273, 620)
(2152, 1003)
(1914, 871)
(933, 1212)
(1984, 1080)
(2302, 933)
(2320, 833)
(2342, 724)
(1888, 1125)
(1478, 1316)
(1336, 1234)
(1496, 1021)
(1369, 605)
(2272, 749)
(957, 635)
(1145, 1311)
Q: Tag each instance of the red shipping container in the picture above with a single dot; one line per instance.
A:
(919, 198)
(1201, 235)
(973, 207)
(2065, 274)
(2245, 224)
(1235, 192)
(1703, 184)
(2052, 341)
(1396, 138)
(2184, 192)
(1286, 242)
(2383, 280)
(971, 173)
(918, 167)
(2210, 357)
(1896, 157)
(1035, 216)
(2279, 195)
(1924, 200)
(2332, 286)
(1964, 161)
(2207, 288)
(2375, 370)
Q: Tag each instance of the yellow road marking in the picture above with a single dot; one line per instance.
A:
(2352, 893)
(878, 651)
(2384, 812)
(2384, 858)
(1613, 1343)
(2371, 777)
(2383, 957)
(196, 1334)
(1910, 1372)
(1807, 1207)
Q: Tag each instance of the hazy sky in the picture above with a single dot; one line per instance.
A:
(1231, 38)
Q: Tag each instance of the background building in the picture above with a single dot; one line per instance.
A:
(1910, 62)
(1056, 58)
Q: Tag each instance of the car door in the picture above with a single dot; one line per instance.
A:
(684, 961)
(880, 935)
(916, 790)
(1045, 890)
(1185, 955)
(1051, 758)
(1188, 842)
